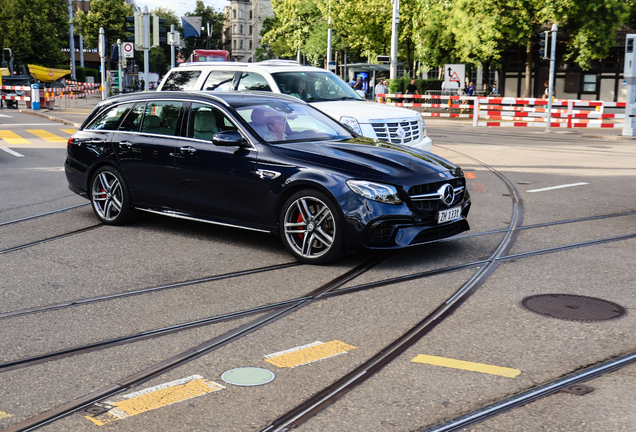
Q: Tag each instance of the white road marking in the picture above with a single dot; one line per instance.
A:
(4, 115)
(11, 152)
(29, 124)
(557, 187)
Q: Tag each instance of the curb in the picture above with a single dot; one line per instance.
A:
(50, 117)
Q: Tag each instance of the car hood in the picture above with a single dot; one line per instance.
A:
(366, 157)
(363, 111)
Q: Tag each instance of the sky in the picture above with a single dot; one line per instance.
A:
(181, 6)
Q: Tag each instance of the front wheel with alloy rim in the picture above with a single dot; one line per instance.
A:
(311, 227)
(110, 196)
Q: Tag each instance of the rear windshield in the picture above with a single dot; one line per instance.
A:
(181, 80)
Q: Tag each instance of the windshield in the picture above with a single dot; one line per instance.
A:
(315, 86)
(282, 121)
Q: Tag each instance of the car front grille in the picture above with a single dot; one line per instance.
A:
(459, 184)
(397, 131)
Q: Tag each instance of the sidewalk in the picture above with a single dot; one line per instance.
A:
(71, 112)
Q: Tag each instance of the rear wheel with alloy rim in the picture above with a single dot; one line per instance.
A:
(311, 227)
(110, 196)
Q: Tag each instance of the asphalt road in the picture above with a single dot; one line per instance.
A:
(572, 190)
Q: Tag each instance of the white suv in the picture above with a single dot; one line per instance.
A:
(320, 88)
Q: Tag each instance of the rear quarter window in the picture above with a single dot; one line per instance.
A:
(181, 81)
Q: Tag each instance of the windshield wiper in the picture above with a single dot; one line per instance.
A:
(349, 98)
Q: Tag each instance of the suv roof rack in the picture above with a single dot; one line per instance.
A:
(214, 63)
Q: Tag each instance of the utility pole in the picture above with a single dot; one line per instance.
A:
(102, 55)
(629, 72)
(329, 41)
(72, 38)
(394, 38)
(554, 30)
(146, 47)
(121, 55)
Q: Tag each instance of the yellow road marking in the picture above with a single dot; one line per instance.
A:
(47, 136)
(4, 415)
(69, 131)
(308, 353)
(464, 365)
(12, 137)
(154, 397)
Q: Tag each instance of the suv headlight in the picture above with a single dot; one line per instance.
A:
(352, 123)
(375, 191)
(422, 125)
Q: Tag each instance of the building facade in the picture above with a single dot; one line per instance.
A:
(242, 27)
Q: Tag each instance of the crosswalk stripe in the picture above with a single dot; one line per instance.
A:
(69, 131)
(47, 136)
(12, 137)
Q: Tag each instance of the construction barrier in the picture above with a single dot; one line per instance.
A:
(48, 96)
(515, 112)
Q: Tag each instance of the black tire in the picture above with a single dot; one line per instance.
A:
(110, 196)
(319, 241)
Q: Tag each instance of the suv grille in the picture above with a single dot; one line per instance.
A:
(397, 132)
(459, 184)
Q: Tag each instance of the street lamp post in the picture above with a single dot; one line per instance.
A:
(72, 38)
(394, 38)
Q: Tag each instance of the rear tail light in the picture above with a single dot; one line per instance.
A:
(70, 142)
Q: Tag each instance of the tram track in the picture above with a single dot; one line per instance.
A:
(278, 310)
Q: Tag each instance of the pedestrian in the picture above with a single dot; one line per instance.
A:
(443, 86)
(546, 92)
(142, 86)
(358, 84)
(493, 90)
(412, 88)
(471, 89)
(380, 89)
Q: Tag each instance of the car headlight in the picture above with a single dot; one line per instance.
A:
(422, 125)
(352, 123)
(375, 191)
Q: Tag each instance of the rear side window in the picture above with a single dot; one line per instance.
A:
(206, 120)
(109, 119)
(161, 117)
(133, 119)
(219, 81)
(181, 80)
(253, 81)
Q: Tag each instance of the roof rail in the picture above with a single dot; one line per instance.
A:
(214, 63)
(280, 62)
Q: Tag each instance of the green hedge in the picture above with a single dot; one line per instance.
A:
(399, 85)
(80, 73)
(94, 73)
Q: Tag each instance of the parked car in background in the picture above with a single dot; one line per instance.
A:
(265, 162)
(320, 88)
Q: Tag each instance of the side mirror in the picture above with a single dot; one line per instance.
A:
(229, 139)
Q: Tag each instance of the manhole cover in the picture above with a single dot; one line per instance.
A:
(573, 307)
(248, 376)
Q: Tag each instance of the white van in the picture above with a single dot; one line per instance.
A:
(320, 88)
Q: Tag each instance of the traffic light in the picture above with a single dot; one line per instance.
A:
(158, 31)
(137, 28)
(543, 45)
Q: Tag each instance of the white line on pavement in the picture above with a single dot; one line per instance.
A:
(14, 153)
(557, 187)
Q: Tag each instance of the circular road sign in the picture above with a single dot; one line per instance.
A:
(128, 49)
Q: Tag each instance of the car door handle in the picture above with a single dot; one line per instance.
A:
(188, 149)
(125, 144)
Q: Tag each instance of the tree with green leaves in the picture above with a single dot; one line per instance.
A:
(35, 30)
(278, 48)
(109, 14)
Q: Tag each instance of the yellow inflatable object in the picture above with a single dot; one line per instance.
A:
(47, 74)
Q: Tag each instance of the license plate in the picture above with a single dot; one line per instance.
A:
(450, 214)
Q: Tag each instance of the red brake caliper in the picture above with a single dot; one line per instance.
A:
(299, 220)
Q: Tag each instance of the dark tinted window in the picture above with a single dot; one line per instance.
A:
(133, 119)
(253, 81)
(161, 117)
(219, 81)
(206, 120)
(109, 119)
(181, 80)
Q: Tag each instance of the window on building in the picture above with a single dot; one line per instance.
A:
(241, 44)
(234, 43)
(589, 83)
(234, 13)
(240, 13)
(250, 44)
(241, 29)
(235, 28)
(250, 30)
(250, 14)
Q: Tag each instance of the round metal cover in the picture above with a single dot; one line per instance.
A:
(248, 376)
(573, 307)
